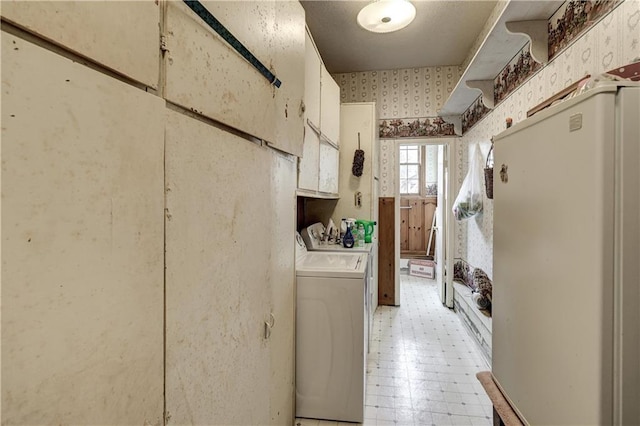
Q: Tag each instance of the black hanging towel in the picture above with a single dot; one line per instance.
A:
(358, 160)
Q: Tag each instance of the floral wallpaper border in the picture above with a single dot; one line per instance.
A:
(517, 71)
(415, 127)
(473, 114)
(571, 21)
(573, 18)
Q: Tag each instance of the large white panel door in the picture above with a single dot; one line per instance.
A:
(82, 244)
(218, 286)
(123, 36)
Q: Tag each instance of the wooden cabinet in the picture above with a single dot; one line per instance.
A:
(318, 168)
(205, 74)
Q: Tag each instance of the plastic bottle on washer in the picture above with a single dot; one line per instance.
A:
(360, 236)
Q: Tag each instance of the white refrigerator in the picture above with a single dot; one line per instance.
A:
(566, 298)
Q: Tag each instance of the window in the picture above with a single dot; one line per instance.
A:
(430, 165)
(410, 169)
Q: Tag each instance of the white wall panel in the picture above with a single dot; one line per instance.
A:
(121, 35)
(205, 74)
(82, 240)
(218, 285)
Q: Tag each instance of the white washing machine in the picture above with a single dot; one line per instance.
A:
(331, 334)
(314, 238)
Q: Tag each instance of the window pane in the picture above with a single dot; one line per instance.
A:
(403, 172)
(413, 155)
(403, 186)
(413, 187)
(412, 172)
(403, 155)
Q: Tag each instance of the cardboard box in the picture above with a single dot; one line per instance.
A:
(422, 268)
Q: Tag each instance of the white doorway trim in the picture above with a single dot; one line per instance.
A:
(449, 223)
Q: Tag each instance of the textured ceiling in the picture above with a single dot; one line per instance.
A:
(441, 34)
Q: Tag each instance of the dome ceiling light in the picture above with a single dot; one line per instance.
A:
(385, 16)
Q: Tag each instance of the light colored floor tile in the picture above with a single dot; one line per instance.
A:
(475, 410)
(386, 414)
(441, 419)
(481, 421)
(460, 420)
(457, 408)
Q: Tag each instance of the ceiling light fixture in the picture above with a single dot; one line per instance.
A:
(385, 16)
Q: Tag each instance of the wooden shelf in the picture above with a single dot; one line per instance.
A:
(524, 19)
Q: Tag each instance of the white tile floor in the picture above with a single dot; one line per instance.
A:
(422, 365)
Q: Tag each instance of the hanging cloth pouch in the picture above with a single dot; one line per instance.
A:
(468, 203)
(488, 174)
(358, 160)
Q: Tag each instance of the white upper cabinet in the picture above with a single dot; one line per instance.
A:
(318, 167)
(329, 107)
(309, 162)
(289, 62)
(205, 74)
(328, 170)
(312, 82)
(122, 36)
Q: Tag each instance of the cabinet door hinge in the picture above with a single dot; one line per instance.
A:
(163, 43)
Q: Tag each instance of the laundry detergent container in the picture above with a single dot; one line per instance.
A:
(368, 226)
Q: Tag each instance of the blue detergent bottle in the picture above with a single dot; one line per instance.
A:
(348, 240)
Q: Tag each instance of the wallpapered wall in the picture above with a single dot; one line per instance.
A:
(612, 42)
(402, 93)
(412, 93)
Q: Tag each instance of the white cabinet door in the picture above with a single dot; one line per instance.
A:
(312, 81)
(329, 163)
(289, 61)
(123, 36)
(309, 162)
(205, 74)
(218, 290)
(82, 244)
(329, 107)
